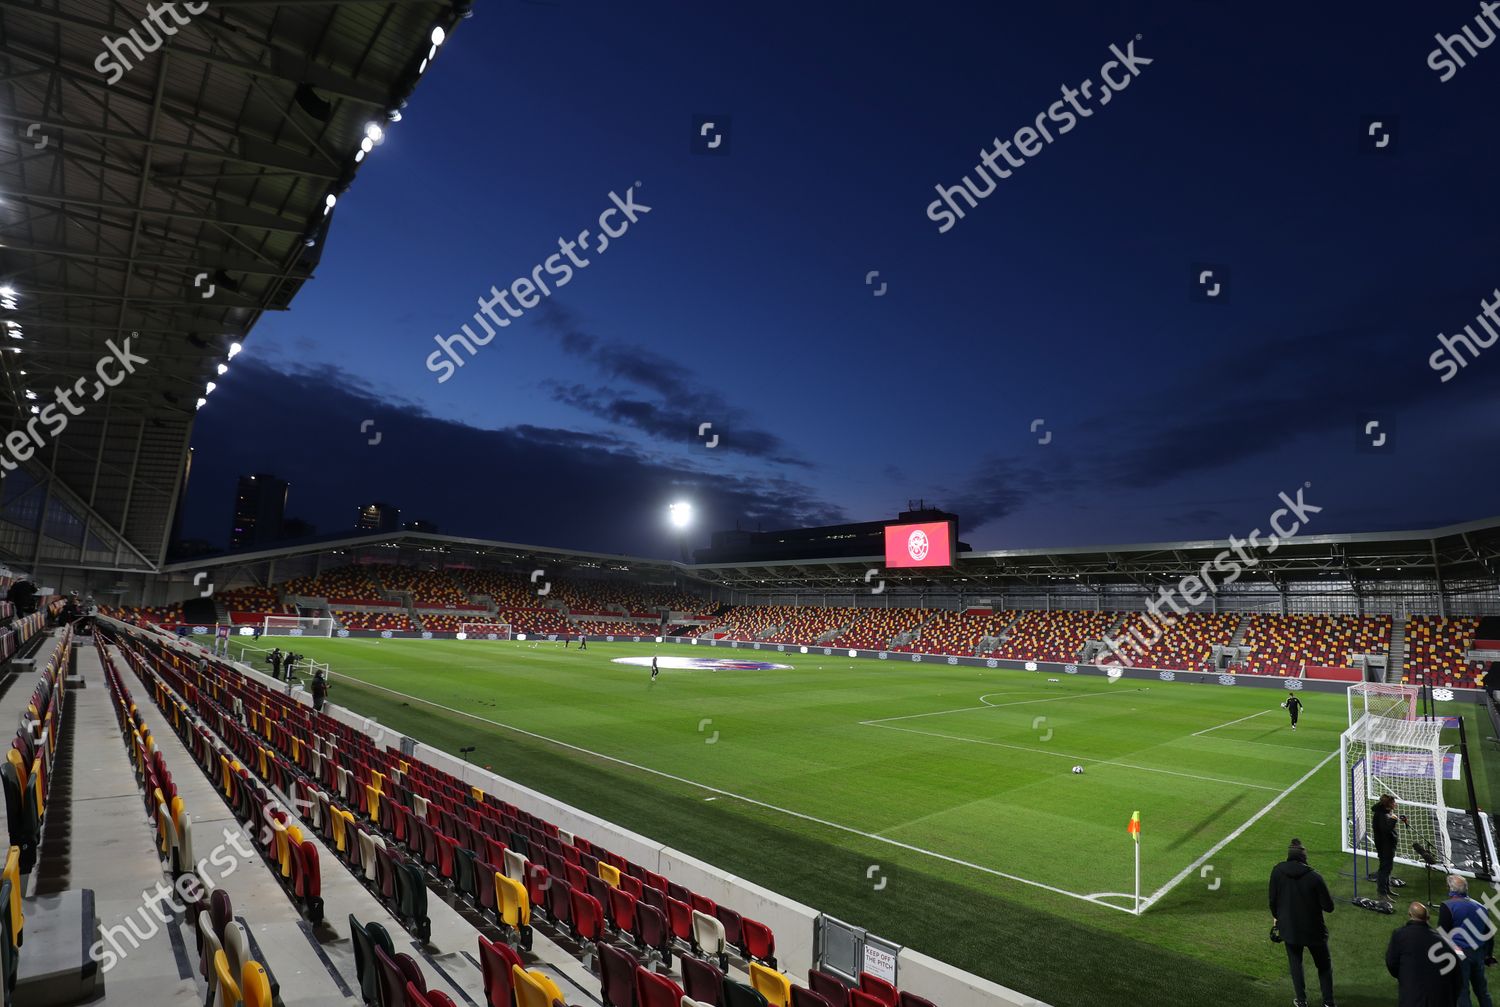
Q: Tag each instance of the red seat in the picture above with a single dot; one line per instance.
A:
(588, 917)
(559, 902)
(912, 1000)
(680, 919)
(731, 921)
(704, 981)
(878, 988)
(616, 977)
(703, 904)
(859, 998)
(829, 987)
(622, 910)
(394, 974)
(760, 943)
(652, 990)
(804, 997)
(495, 961)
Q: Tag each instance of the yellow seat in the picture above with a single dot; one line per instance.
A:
(12, 873)
(337, 820)
(372, 799)
(283, 848)
(229, 990)
(534, 989)
(514, 904)
(775, 987)
(610, 874)
(255, 985)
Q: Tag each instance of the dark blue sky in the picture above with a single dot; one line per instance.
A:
(741, 300)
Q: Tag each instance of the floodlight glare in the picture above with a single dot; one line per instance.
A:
(202, 403)
(234, 348)
(373, 132)
(438, 35)
(7, 291)
(210, 389)
(223, 369)
(680, 514)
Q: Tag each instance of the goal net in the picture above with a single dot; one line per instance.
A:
(297, 625)
(1383, 755)
(1391, 702)
(484, 631)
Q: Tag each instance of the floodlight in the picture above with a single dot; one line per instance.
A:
(438, 35)
(234, 349)
(373, 132)
(680, 514)
(202, 403)
(223, 369)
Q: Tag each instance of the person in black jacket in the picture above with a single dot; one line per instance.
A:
(1384, 819)
(274, 660)
(1299, 897)
(1415, 958)
(319, 690)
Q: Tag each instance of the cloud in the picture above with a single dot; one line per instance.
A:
(674, 408)
(540, 485)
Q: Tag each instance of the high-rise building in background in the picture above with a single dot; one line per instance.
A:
(378, 517)
(259, 509)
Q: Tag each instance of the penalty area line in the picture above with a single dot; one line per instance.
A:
(1231, 723)
(739, 797)
(1161, 892)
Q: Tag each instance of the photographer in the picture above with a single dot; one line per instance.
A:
(1298, 899)
(274, 660)
(1466, 924)
(1385, 819)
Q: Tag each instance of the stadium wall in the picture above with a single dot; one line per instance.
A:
(792, 922)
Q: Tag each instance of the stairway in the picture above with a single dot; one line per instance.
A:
(1238, 639)
(1396, 666)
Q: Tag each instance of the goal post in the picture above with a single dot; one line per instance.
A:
(484, 631)
(1404, 758)
(1382, 700)
(297, 625)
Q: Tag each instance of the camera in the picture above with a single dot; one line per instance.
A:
(1275, 933)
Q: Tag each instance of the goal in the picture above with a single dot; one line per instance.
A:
(484, 631)
(1385, 755)
(1391, 702)
(297, 625)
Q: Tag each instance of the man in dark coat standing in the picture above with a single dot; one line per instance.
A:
(1416, 958)
(1384, 819)
(1299, 898)
(319, 690)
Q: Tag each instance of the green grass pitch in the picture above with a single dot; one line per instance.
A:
(957, 782)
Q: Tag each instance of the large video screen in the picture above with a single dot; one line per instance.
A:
(927, 544)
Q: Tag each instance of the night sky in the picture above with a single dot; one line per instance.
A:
(1068, 295)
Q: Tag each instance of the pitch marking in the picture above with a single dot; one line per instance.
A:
(739, 797)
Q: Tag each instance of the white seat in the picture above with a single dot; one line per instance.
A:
(211, 947)
(515, 866)
(236, 947)
(708, 933)
(185, 843)
(419, 806)
(366, 853)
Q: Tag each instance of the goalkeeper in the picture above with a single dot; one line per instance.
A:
(1293, 706)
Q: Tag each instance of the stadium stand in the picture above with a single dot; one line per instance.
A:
(1186, 644)
(1437, 647)
(875, 628)
(1054, 636)
(1282, 645)
(349, 585)
(403, 826)
(428, 588)
(947, 632)
(393, 620)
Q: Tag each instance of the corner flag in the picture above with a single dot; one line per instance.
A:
(1134, 828)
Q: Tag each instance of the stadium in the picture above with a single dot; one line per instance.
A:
(607, 741)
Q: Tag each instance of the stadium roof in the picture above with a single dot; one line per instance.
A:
(1457, 553)
(1459, 557)
(440, 550)
(171, 204)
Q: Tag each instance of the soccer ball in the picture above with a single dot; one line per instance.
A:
(1077, 770)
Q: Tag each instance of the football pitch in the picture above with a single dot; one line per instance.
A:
(935, 805)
